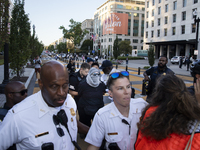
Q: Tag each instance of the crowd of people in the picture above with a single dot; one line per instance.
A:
(167, 120)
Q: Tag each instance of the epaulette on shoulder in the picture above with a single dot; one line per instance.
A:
(138, 101)
(104, 109)
(24, 105)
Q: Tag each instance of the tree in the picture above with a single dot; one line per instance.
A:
(125, 47)
(116, 51)
(4, 16)
(87, 44)
(62, 47)
(19, 51)
(75, 33)
(151, 55)
(50, 48)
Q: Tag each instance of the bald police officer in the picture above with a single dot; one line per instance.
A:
(42, 119)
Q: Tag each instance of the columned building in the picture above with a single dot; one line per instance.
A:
(122, 18)
(170, 27)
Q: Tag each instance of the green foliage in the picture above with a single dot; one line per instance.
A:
(75, 33)
(50, 48)
(4, 16)
(62, 48)
(87, 43)
(151, 55)
(19, 51)
(125, 47)
(146, 67)
(116, 51)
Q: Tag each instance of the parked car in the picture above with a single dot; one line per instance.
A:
(176, 59)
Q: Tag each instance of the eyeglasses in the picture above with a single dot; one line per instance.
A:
(116, 74)
(58, 129)
(22, 92)
(96, 74)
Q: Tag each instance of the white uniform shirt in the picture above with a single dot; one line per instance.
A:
(104, 77)
(32, 117)
(108, 123)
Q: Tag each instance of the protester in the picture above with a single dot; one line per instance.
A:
(154, 73)
(116, 122)
(40, 121)
(76, 78)
(187, 61)
(90, 61)
(38, 63)
(71, 66)
(167, 123)
(91, 96)
(95, 65)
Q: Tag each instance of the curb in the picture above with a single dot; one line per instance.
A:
(29, 78)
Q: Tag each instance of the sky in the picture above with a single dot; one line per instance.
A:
(49, 15)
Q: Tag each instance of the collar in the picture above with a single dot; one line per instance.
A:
(43, 108)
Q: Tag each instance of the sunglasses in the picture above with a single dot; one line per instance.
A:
(96, 74)
(116, 74)
(22, 92)
(58, 129)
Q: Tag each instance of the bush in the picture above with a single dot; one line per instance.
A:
(146, 67)
(129, 58)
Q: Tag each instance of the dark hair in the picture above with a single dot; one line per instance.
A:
(95, 64)
(111, 80)
(164, 56)
(176, 109)
(85, 66)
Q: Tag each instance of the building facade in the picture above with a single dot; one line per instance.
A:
(170, 27)
(122, 18)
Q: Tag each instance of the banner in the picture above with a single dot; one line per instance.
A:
(116, 23)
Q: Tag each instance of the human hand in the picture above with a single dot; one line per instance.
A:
(197, 90)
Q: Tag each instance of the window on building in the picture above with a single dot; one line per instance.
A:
(193, 28)
(158, 33)
(184, 3)
(141, 47)
(158, 21)
(143, 9)
(184, 15)
(147, 34)
(153, 2)
(110, 39)
(129, 14)
(195, 1)
(119, 40)
(174, 5)
(173, 30)
(152, 12)
(141, 41)
(104, 40)
(101, 40)
(147, 24)
(121, 12)
(147, 4)
(127, 39)
(136, 8)
(135, 40)
(174, 17)
(135, 27)
(166, 8)
(136, 14)
(166, 19)
(159, 10)
(120, 6)
(165, 32)
(147, 14)
(134, 47)
(183, 29)
(106, 8)
(152, 34)
(142, 28)
(152, 23)
(159, 1)
(142, 15)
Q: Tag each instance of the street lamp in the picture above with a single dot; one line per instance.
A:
(196, 21)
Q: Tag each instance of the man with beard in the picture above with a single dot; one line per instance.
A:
(154, 73)
(46, 119)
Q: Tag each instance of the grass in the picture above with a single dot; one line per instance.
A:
(1, 61)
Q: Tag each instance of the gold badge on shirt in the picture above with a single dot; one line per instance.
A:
(72, 112)
(164, 73)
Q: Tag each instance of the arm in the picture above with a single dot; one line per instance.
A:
(146, 76)
(92, 147)
(73, 93)
(82, 128)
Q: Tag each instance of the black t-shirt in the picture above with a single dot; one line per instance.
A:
(89, 95)
(74, 80)
(71, 67)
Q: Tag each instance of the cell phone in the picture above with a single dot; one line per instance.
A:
(48, 146)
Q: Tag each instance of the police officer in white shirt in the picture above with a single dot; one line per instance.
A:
(45, 120)
(117, 121)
